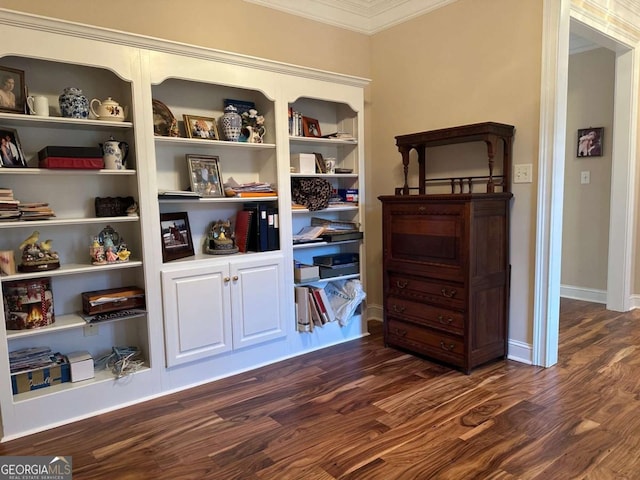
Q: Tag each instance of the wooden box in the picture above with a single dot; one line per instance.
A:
(111, 300)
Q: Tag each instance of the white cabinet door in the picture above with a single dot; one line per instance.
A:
(258, 291)
(197, 313)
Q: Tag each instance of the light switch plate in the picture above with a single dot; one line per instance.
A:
(523, 173)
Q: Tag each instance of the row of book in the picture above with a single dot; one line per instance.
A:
(13, 209)
(313, 308)
(257, 228)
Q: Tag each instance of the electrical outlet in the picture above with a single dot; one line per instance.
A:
(90, 330)
(523, 173)
(585, 177)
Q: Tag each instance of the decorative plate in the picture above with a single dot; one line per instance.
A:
(164, 123)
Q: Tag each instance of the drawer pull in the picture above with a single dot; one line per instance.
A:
(401, 283)
(445, 321)
(448, 348)
(400, 331)
(422, 208)
(449, 293)
(398, 308)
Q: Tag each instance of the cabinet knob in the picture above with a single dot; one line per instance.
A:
(448, 348)
(401, 283)
(235, 278)
(445, 321)
(398, 308)
(227, 279)
(401, 332)
(449, 293)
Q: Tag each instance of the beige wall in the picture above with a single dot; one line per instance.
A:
(585, 231)
(230, 25)
(467, 62)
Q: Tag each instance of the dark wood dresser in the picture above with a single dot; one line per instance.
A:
(446, 255)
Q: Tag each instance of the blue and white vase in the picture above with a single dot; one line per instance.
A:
(231, 123)
(73, 104)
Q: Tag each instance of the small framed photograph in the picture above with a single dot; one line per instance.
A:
(204, 175)
(176, 236)
(311, 127)
(590, 142)
(11, 154)
(201, 127)
(12, 90)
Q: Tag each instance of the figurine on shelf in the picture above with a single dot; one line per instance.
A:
(97, 252)
(221, 239)
(38, 256)
(108, 248)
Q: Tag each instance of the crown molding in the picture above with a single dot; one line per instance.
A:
(362, 16)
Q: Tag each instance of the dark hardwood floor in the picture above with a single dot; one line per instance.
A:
(362, 411)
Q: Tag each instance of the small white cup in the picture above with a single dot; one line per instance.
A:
(38, 105)
(330, 164)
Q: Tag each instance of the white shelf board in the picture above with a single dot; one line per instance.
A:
(191, 200)
(322, 141)
(64, 322)
(211, 143)
(63, 171)
(57, 122)
(306, 245)
(72, 269)
(326, 175)
(295, 211)
(68, 221)
(102, 375)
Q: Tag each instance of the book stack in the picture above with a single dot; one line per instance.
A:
(37, 367)
(248, 190)
(9, 206)
(337, 231)
(313, 308)
(295, 123)
(338, 265)
(35, 211)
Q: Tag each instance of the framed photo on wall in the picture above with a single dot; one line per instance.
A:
(176, 236)
(11, 154)
(590, 142)
(12, 90)
(204, 175)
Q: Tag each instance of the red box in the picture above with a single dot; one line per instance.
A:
(71, 162)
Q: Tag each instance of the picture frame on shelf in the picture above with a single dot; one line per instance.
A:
(164, 123)
(204, 175)
(12, 90)
(11, 154)
(176, 236)
(242, 106)
(590, 142)
(201, 127)
(311, 127)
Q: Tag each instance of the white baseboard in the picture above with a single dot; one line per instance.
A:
(585, 294)
(375, 312)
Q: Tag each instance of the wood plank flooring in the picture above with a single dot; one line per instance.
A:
(363, 411)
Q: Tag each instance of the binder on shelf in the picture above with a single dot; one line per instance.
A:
(259, 238)
(303, 321)
(316, 314)
(273, 230)
(243, 229)
(331, 315)
(321, 307)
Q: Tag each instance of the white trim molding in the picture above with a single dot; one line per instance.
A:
(585, 294)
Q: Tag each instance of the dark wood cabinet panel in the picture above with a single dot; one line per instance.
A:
(446, 259)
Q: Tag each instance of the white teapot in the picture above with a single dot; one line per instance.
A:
(108, 110)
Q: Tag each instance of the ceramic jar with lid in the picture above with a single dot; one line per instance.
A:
(73, 104)
(231, 123)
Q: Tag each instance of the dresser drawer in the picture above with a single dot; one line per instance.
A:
(426, 290)
(426, 235)
(425, 314)
(432, 343)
